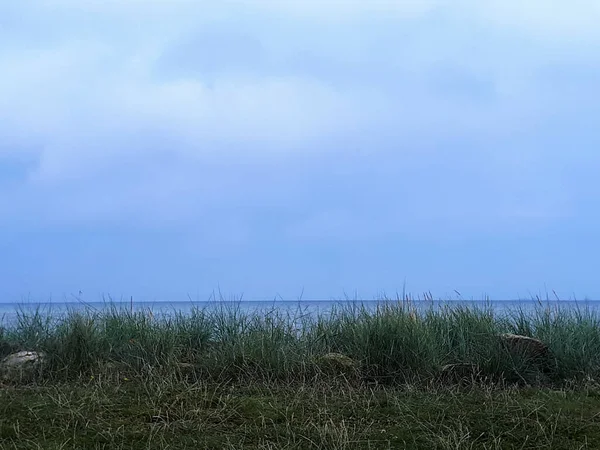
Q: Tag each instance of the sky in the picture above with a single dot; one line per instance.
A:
(315, 149)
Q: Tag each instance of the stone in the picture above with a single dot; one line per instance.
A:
(21, 366)
(524, 345)
(530, 349)
(460, 372)
(337, 363)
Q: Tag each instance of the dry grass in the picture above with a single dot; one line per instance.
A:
(159, 414)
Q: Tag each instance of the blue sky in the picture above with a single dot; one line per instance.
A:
(273, 148)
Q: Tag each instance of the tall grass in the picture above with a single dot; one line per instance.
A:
(395, 343)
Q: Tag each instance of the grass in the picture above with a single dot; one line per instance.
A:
(396, 343)
(156, 414)
(225, 378)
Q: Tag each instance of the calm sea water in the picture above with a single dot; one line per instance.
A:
(10, 311)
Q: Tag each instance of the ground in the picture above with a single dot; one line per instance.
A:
(155, 414)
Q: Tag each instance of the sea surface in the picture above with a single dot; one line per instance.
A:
(9, 312)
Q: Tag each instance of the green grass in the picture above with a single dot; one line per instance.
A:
(393, 344)
(158, 414)
(225, 378)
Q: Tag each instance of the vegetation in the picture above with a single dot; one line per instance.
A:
(354, 378)
(111, 413)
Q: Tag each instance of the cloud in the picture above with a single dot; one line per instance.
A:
(334, 10)
(555, 20)
(116, 109)
(549, 20)
(273, 145)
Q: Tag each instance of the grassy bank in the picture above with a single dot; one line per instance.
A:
(394, 344)
(224, 378)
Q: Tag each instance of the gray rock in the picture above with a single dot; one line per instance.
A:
(21, 366)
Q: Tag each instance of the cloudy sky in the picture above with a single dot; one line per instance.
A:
(165, 148)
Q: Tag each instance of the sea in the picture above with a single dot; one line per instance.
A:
(10, 312)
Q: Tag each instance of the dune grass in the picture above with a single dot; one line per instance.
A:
(222, 377)
(395, 343)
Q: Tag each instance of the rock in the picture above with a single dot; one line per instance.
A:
(530, 349)
(21, 366)
(337, 363)
(524, 345)
(187, 368)
(459, 372)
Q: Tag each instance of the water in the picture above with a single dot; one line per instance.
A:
(9, 311)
